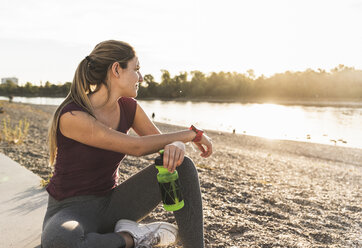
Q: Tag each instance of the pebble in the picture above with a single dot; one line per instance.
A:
(256, 192)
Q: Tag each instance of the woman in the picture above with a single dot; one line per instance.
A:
(88, 139)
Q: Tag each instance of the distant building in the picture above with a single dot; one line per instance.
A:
(12, 79)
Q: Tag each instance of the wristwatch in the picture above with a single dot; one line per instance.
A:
(198, 132)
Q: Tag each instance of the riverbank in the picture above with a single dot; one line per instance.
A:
(351, 103)
(256, 192)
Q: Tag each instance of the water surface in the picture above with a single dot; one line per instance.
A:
(328, 125)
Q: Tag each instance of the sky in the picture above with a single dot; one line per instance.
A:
(44, 40)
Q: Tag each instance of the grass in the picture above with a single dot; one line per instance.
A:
(14, 134)
(44, 183)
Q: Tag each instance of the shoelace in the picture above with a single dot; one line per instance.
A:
(149, 240)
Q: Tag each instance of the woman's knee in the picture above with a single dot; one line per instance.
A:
(69, 233)
(187, 167)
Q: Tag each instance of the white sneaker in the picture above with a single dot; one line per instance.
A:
(149, 235)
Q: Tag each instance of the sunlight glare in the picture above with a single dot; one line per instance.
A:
(271, 121)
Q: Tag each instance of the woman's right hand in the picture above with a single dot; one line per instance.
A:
(204, 145)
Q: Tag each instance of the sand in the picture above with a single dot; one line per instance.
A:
(256, 192)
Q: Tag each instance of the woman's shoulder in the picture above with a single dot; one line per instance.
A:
(71, 106)
(128, 107)
(127, 101)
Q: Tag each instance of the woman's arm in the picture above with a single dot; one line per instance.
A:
(142, 125)
(84, 128)
(174, 153)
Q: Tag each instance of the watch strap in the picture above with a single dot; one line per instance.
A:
(198, 132)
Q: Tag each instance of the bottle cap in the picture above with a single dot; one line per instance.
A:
(159, 159)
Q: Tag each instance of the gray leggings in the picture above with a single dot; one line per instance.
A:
(88, 221)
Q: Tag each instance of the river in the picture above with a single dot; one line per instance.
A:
(340, 126)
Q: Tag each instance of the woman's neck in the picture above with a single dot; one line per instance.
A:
(99, 100)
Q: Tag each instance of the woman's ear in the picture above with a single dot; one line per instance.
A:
(116, 69)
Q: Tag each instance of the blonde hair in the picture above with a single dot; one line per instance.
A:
(91, 73)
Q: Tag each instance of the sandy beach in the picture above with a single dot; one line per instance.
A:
(256, 192)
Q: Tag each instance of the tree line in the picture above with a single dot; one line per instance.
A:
(48, 90)
(341, 82)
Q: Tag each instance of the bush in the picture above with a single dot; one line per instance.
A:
(14, 134)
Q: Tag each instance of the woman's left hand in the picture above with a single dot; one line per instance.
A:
(173, 155)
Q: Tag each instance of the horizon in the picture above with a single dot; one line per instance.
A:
(41, 83)
(47, 39)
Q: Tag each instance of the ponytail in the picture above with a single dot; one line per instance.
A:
(91, 73)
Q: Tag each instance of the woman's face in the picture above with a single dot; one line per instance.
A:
(130, 78)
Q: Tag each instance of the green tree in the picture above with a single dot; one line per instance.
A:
(197, 84)
(9, 88)
(151, 85)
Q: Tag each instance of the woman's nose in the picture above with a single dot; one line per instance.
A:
(140, 78)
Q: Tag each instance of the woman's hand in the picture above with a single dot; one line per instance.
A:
(173, 155)
(204, 142)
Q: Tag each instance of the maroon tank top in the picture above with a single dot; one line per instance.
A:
(85, 170)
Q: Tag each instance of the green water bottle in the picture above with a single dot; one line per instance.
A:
(169, 185)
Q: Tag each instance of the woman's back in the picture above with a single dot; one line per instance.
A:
(81, 169)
